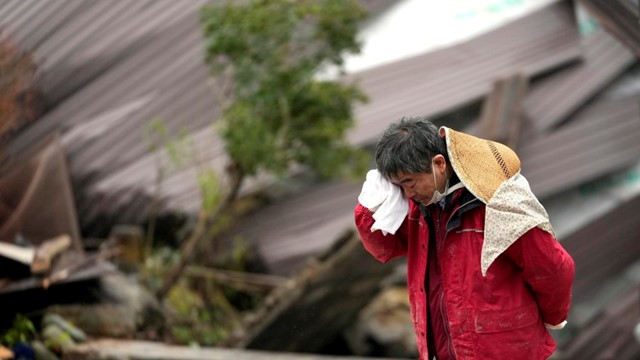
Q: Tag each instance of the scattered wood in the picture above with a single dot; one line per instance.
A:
(21, 254)
(240, 280)
(47, 251)
(312, 310)
(38, 259)
(63, 273)
(143, 350)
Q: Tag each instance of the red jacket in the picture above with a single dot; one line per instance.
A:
(500, 316)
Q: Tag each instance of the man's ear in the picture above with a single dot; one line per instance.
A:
(439, 162)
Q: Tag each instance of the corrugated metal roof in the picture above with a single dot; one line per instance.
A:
(605, 290)
(290, 230)
(112, 85)
(611, 335)
(620, 17)
(161, 75)
(557, 96)
(76, 41)
(605, 247)
(600, 138)
(443, 80)
(134, 61)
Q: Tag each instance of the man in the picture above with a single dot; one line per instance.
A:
(486, 276)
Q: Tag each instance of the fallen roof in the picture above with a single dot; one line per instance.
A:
(611, 334)
(113, 86)
(553, 98)
(328, 293)
(291, 230)
(600, 139)
(443, 80)
(605, 247)
(620, 17)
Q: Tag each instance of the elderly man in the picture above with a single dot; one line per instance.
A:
(486, 277)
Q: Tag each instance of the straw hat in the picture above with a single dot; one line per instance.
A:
(482, 165)
(491, 172)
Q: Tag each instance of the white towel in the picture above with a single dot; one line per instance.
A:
(386, 202)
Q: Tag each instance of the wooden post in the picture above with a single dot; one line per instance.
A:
(502, 110)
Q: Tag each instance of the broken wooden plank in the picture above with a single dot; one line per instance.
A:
(315, 307)
(47, 251)
(21, 254)
(238, 279)
(145, 350)
(502, 110)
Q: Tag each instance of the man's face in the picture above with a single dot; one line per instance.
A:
(421, 186)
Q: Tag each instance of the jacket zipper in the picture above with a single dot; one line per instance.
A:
(443, 310)
(446, 326)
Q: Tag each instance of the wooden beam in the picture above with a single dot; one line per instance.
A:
(501, 115)
(315, 307)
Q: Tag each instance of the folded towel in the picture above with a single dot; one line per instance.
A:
(386, 202)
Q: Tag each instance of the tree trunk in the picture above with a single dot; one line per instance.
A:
(200, 233)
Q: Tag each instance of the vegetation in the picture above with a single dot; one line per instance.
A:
(22, 330)
(264, 56)
(275, 114)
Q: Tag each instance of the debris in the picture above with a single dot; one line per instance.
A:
(312, 309)
(42, 352)
(129, 239)
(57, 320)
(47, 251)
(123, 308)
(55, 338)
(17, 253)
(384, 327)
(144, 350)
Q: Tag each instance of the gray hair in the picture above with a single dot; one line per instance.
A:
(409, 145)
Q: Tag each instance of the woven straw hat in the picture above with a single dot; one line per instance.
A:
(482, 165)
(491, 172)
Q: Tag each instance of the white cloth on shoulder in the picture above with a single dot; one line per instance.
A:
(386, 202)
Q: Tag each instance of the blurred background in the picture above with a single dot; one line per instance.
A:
(177, 178)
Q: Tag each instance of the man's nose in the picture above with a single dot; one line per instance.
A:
(408, 193)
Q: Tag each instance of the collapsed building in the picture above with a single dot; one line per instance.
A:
(565, 95)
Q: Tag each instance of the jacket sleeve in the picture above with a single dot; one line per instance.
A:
(382, 247)
(548, 269)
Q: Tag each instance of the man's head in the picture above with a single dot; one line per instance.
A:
(412, 155)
